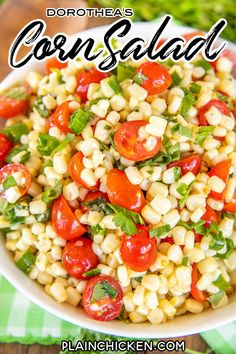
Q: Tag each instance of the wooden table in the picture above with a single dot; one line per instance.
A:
(14, 15)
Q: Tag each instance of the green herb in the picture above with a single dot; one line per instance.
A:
(204, 64)
(102, 289)
(44, 217)
(138, 279)
(185, 262)
(140, 78)
(217, 241)
(97, 229)
(9, 212)
(14, 132)
(229, 249)
(9, 182)
(17, 93)
(111, 138)
(176, 79)
(58, 74)
(171, 119)
(41, 108)
(187, 103)
(199, 227)
(99, 204)
(184, 191)
(163, 158)
(26, 261)
(126, 219)
(184, 224)
(103, 145)
(177, 173)
(203, 133)
(46, 144)
(15, 151)
(112, 82)
(216, 298)
(51, 193)
(229, 216)
(125, 71)
(92, 272)
(195, 88)
(221, 283)
(227, 99)
(68, 139)
(182, 130)
(79, 120)
(160, 231)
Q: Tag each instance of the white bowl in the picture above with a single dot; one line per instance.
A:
(180, 326)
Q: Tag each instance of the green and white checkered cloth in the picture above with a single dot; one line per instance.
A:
(24, 322)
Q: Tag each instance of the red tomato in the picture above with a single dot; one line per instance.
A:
(65, 222)
(138, 251)
(87, 77)
(188, 164)
(61, 117)
(197, 294)
(75, 168)
(155, 77)
(209, 216)
(8, 170)
(5, 146)
(168, 239)
(230, 55)
(95, 195)
(230, 207)
(108, 308)
(189, 35)
(120, 191)
(53, 63)
(220, 105)
(130, 146)
(11, 106)
(220, 170)
(78, 257)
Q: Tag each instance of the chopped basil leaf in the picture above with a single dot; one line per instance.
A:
(9, 182)
(216, 298)
(92, 272)
(182, 130)
(99, 204)
(41, 108)
(51, 193)
(177, 173)
(125, 223)
(110, 290)
(112, 82)
(199, 227)
(204, 64)
(138, 279)
(184, 191)
(160, 231)
(79, 120)
(125, 71)
(185, 262)
(47, 163)
(187, 103)
(176, 79)
(184, 224)
(227, 99)
(43, 217)
(229, 249)
(9, 212)
(59, 75)
(97, 229)
(111, 138)
(221, 283)
(140, 78)
(195, 88)
(26, 261)
(102, 289)
(203, 133)
(15, 151)
(46, 144)
(103, 145)
(14, 132)
(17, 93)
(68, 139)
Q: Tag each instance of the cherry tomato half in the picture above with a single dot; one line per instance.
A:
(75, 168)
(122, 192)
(61, 117)
(53, 63)
(209, 216)
(130, 146)
(95, 195)
(8, 170)
(64, 221)
(10, 105)
(154, 77)
(78, 257)
(188, 164)
(197, 294)
(87, 77)
(220, 105)
(138, 251)
(108, 308)
(220, 170)
(5, 146)
(230, 207)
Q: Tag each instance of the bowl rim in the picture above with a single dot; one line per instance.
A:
(180, 326)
